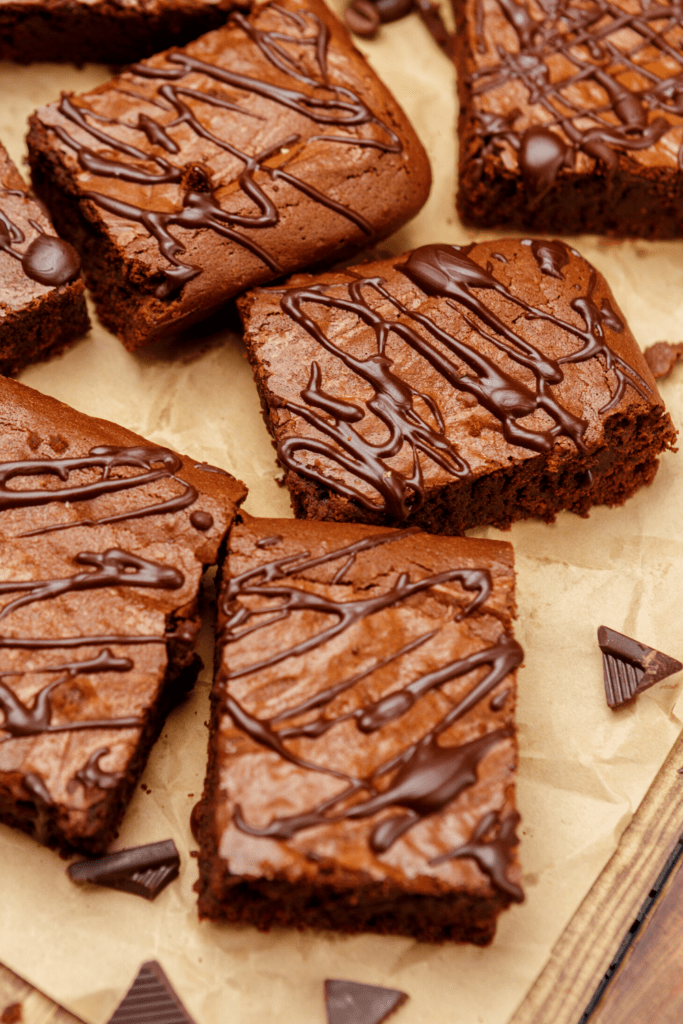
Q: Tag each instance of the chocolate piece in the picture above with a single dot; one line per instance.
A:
(362, 18)
(109, 33)
(98, 610)
(260, 148)
(142, 870)
(356, 736)
(662, 357)
(570, 116)
(43, 303)
(12, 1014)
(631, 667)
(151, 998)
(350, 1002)
(455, 386)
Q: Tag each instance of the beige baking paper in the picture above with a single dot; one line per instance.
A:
(584, 769)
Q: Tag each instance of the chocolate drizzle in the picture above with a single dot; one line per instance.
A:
(155, 463)
(446, 272)
(105, 470)
(309, 94)
(48, 260)
(424, 777)
(633, 99)
(492, 854)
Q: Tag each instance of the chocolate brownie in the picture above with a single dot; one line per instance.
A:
(571, 115)
(260, 148)
(108, 31)
(104, 540)
(42, 305)
(453, 387)
(362, 751)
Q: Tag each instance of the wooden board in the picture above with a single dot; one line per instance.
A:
(628, 927)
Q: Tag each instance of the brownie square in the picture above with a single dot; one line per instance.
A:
(104, 31)
(260, 148)
(454, 387)
(362, 751)
(571, 116)
(42, 307)
(104, 540)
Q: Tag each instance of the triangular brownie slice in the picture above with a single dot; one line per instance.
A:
(104, 539)
(350, 1002)
(151, 1000)
(43, 300)
(631, 667)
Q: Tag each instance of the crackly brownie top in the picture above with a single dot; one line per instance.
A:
(367, 695)
(221, 141)
(393, 377)
(576, 82)
(104, 537)
(32, 259)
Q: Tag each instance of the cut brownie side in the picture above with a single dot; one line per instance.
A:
(107, 31)
(261, 148)
(104, 540)
(571, 115)
(362, 750)
(42, 303)
(454, 387)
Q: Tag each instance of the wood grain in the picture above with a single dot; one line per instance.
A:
(589, 945)
(648, 986)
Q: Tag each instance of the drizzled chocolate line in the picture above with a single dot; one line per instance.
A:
(596, 43)
(446, 272)
(492, 854)
(113, 568)
(105, 457)
(319, 101)
(21, 720)
(48, 260)
(92, 776)
(425, 776)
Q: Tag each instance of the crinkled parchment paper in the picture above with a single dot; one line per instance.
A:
(584, 769)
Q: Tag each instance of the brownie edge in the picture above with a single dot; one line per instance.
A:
(362, 747)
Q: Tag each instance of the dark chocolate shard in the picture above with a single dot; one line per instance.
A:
(631, 667)
(151, 1000)
(662, 357)
(350, 1002)
(142, 870)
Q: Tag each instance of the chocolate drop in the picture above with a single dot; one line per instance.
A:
(541, 154)
(392, 10)
(362, 19)
(51, 261)
(201, 520)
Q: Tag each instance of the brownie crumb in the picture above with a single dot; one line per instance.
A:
(662, 357)
(12, 1014)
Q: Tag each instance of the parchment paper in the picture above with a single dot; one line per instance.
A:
(584, 768)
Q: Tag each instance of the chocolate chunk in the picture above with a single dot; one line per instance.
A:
(662, 357)
(151, 1000)
(142, 870)
(12, 1014)
(350, 1002)
(631, 667)
(362, 19)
